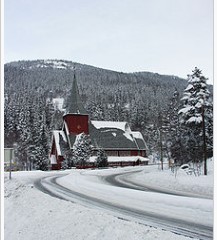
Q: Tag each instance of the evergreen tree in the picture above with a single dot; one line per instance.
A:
(102, 158)
(42, 152)
(67, 153)
(39, 145)
(196, 116)
(176, 146)
(82, 149)
(25, 134)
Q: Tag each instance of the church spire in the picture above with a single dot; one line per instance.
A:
(75, 104)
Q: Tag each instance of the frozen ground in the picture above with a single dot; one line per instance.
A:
(31, 214)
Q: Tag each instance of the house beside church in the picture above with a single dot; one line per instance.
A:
(123, 146)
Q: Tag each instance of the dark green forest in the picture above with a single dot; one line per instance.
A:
(146, 100)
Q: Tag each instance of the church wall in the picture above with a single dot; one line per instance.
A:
(112, 153)
(134, 152)
(77, 123)
(143, 153)
(58, 165)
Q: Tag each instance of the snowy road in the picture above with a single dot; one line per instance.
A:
(124, 180)
(134, 203)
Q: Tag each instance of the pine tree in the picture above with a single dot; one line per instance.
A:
(102, 158)
(42, 152)
(67, 153)
(11, 117)
(25, 133)
(196, 116)
(82, 149)
(177, 151)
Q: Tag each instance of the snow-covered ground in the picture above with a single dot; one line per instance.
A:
(179, 182)
(31, 214)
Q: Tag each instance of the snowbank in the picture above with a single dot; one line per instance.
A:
(175, 183)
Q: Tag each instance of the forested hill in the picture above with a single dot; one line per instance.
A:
(99, 86)
(138, 98)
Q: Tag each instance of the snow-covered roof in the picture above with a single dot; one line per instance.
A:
(124, 126)
(57, 134)
(140, 142)
(137, 135)
(112, 135)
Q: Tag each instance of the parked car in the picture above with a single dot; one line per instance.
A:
(185, 167)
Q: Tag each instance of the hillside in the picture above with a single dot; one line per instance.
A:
(138, 98)
(97, 86)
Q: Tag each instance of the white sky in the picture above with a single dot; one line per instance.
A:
(164, 36)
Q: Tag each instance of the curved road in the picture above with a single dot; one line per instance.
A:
(123, 180)
(50, 186)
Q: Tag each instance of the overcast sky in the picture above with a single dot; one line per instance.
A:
(163, 36)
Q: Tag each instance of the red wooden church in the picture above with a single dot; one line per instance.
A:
(116, 138)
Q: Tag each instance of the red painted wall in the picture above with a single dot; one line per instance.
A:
(143, 153)
(134, 153)
(58, 165)
(77, 123)
(53, 148)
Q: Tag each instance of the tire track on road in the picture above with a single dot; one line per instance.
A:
(50, 186)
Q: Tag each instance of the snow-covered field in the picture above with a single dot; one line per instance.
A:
(31, 214)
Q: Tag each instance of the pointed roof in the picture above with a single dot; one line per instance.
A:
(75, 104)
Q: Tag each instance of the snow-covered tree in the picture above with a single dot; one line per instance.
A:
(67, 153)
(11, 114)
(82, 149)
(176, 146)
(173, 116)
(25, 133)
(42, 152)
(196, 97)
(95, 110)
(102, 158)
(196, 115)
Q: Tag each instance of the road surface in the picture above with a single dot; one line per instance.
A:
(49, 185)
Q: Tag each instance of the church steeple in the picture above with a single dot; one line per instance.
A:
(76, 119)
(75, 105)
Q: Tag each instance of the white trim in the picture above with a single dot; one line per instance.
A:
(53, 159)
(67, 134)
(56, 134)
(66, 127)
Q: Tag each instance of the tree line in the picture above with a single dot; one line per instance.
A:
(149, 102)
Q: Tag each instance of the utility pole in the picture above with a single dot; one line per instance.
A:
(10, 163)
(204, 140)
(161, 149)
(160, 136)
